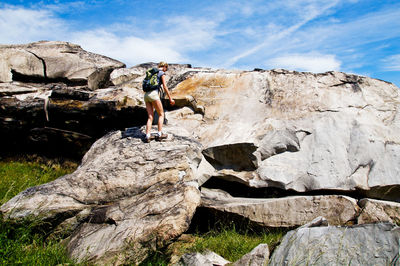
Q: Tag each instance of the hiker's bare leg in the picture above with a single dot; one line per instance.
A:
(160, 111)
(150, 117)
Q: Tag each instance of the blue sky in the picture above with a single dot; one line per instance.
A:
(353, 36)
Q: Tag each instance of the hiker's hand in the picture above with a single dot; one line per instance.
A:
(171, 101)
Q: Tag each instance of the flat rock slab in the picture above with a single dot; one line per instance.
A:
(370, 244)
(283, 212)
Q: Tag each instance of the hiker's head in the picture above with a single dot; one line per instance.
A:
(164, 65)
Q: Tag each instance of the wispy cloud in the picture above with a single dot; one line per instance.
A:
(392, 63)
(306, 62)
(306, 14)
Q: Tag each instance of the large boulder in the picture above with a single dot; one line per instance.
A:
(370, 244)
(127, 198)
(309, 132)
(48, 61)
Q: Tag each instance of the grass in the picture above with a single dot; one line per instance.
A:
(22, 243)
(16, 176)
(232, 245)
(227, 242)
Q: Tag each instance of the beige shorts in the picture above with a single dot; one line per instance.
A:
(151, 96)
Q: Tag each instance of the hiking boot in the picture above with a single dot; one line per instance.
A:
(163, 136)
(148, 139)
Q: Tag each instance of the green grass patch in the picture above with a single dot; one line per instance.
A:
(16, 176)
(23, 243)
(228, 242)
(232, 244)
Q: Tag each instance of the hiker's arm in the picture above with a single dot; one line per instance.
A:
(171, 101)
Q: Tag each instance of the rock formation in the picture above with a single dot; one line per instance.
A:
(276, 148)
(55, 61)
(126, 198)
(372, 244)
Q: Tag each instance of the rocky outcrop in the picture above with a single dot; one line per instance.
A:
(126, 198)
(310, 132)
(372, 244)
(64, 121)
(55, 61)
(277, 148)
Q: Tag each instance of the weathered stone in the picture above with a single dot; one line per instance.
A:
(140, 196)
(126, 231)
(283, 212)
(329, 131)
(207, 258)
(374, 211)
(12, 88)
(66, 121)
(258, 256)
(236, 156)
(55, 61)
(124, 77)
(371, 244)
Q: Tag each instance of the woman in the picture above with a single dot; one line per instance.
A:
(152, 100)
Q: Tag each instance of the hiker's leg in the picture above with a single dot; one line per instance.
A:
(160, 111)
(150, 117)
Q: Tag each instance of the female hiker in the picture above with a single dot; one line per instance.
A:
(153, 101)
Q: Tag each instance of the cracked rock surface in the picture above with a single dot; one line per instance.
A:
(55, 61)
(133, 196)
(370, 244)
(309, 132)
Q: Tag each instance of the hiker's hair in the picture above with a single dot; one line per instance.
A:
(162, 64)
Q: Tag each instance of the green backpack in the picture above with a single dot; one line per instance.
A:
(150, 82)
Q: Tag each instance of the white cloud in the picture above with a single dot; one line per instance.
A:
(307, 62)
(181, 35)
(130, 50)
(392, 63)
(188, 34)
(19, 25)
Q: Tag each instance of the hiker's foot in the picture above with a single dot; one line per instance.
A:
(148, 138)
(161, 136)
